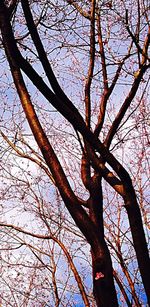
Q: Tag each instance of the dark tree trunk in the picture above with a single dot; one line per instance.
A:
(103, 282)
(139, 239)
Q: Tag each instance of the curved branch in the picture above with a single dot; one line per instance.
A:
(26, 156)
(107, 90)
(119, 283)
(125, 271)
(99, 165)
(125, 106)
(62, 246)
(42, 55)
(147, 41)
(79, 9)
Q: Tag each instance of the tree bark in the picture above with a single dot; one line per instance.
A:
(103, 283)
(139, 240)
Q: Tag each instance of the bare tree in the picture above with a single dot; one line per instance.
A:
(109, 43)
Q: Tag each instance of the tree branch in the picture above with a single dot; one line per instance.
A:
(125, 106)
(144, 50)
(91, 66)
(29, 157)
(62, 246)
(85, 165)
(42, 55)
(79, 9)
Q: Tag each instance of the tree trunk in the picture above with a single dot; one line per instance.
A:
(103, 283)
(139, 240)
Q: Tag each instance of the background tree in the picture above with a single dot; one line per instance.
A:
(99, 53)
